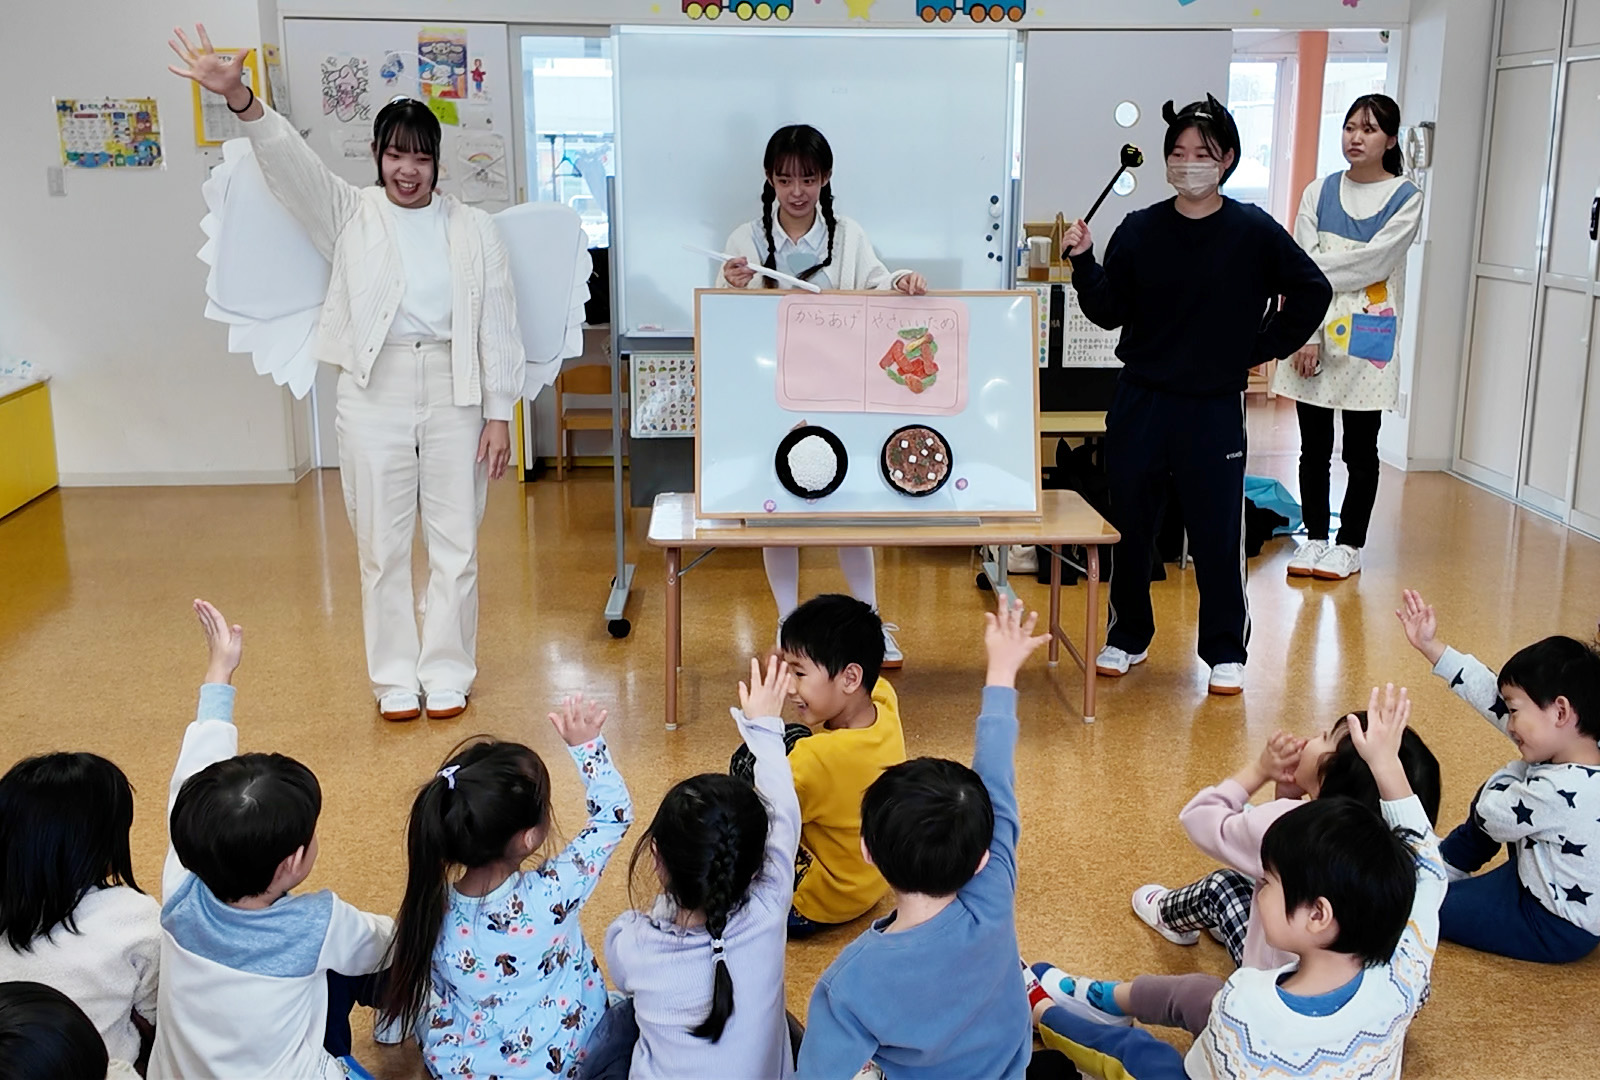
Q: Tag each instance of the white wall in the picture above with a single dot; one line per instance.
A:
(1446, 80)
(102, 287)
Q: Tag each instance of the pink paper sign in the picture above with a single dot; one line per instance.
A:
(876, 354)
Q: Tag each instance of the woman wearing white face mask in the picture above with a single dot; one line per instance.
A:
(1194, 284)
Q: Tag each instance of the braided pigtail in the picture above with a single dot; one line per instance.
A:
(720, 900)
(769, 195)
(825, 205)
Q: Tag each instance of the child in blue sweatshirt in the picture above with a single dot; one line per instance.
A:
(932, 990)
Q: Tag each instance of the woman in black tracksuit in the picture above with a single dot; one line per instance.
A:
(1204, 288)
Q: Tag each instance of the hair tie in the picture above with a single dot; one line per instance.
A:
(716, 946)
(449, 775)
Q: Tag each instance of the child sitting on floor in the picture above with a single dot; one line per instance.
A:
(849, 733)
(1543, 902)
(1355, 898)
(245, 965)
(44, 1035)
(931, 990)
(71, 914)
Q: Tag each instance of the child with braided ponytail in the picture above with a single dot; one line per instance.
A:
(812, 243)
(489, 964)
(724, 854)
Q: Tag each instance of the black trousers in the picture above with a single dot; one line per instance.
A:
(345, 992)
(1360, 459)
(1199, 444)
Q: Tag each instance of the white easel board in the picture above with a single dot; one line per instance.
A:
(984, 403)
(920, 123)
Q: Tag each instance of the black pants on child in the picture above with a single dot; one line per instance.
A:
(345, 992)
(1360, 456)
(1199, 443)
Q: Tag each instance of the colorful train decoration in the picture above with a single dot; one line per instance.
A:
(745, 9)
(978, 10)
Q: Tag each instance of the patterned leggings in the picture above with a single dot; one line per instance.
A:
(1218, 902)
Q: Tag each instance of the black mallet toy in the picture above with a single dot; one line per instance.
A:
(1132, 158)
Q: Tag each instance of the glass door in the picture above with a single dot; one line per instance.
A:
(566, 122)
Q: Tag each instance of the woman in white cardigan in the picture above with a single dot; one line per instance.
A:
(806, 240)
(1357, 226)
(421, 319)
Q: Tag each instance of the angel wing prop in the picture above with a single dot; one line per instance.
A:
(550, 268)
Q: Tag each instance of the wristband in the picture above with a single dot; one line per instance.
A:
(247, 104)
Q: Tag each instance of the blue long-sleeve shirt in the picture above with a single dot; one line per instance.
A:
(945, 998)
(1196, 298)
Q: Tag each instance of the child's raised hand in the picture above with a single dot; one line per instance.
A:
(579, 721)
(1280, 757)
(225, 643)
(1009, 639)
(765, 694)
(1421, 624)
(1388, 713)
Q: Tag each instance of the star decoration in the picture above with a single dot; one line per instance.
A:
(1499, 707)
(1570, 796)
(1501, 786)
(1524, 813)
(1527, 843)
(1576, 895)
(859, 9)
(1569, 848)
(1461, 677)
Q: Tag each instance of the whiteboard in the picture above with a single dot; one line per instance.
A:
(1073, 82)
(993, 440)
(921, 129)
(376, 61)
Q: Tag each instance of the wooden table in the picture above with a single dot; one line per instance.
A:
(1065, 520)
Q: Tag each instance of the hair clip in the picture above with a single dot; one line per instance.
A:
(449, 775)
(716, 946)
(398, 98)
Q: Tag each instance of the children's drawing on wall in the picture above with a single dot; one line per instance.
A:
(345, 82)
(394, 66)
(113, 133)
(976, 10)
(478, 75)
(481, 168)
(442, 61)
(746, 10)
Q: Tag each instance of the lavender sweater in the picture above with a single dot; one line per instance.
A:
(667, 969)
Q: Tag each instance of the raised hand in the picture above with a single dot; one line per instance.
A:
(1416, 615)
(1280, 756)
(765, 694)
(224, 642)
(1009, 640)
(579, 721)
(216, 73)
(1078, 239)
(1388, 713)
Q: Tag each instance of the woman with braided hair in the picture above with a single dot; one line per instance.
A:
(703, 967)
(799, 234)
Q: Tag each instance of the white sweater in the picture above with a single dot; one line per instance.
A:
(244, 994)
(110, 967)
(1253, 1033)
(855, 265)
(349, 225)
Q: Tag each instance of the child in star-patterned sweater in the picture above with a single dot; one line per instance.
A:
(1543, 902)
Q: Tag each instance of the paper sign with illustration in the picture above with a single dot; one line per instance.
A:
(875, 354)
(442, 61)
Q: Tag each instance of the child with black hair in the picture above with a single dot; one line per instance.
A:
(849, 733)
(1543, 902)
(1195, 285)
(71, 914)
(1354, 897)
(703, 968)
(245, 963)
(930, 991)
(489, 963)
(1223, 824)
(812, 244)
(44, 1035)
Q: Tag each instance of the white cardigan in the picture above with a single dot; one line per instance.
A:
(855, 265)
(350, 226)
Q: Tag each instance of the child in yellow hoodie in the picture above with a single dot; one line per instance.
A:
(849, 732)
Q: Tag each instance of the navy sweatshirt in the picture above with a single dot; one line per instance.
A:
(1197, 298)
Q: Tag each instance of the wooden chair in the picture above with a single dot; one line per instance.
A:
(586, 379)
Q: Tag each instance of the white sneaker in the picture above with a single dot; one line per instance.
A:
(1304, 562)
(1114, 663)
(399, 705)
(892, 656)
(1338, 563)
(446, 704)
(1227, 680)
(1147, 905)
(387, 1034)
(1072, 994)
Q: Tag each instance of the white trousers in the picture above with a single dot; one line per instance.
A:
(404, 444)
(783, 576)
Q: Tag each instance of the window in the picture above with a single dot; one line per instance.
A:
(1253, 100)
(568, 126)
(1344, 80)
